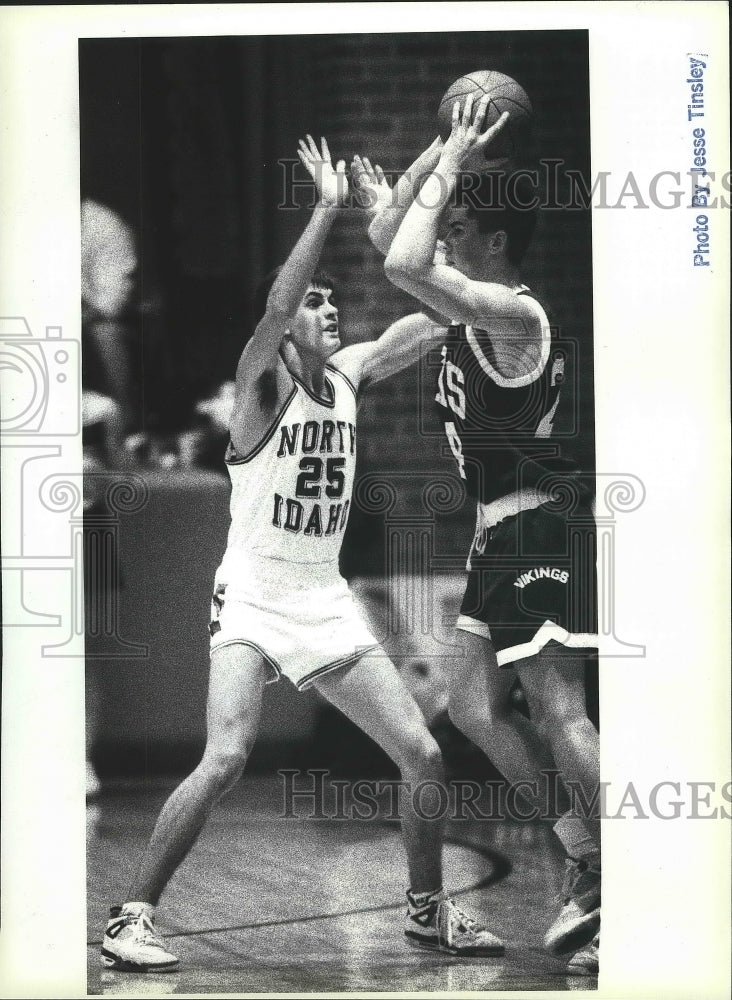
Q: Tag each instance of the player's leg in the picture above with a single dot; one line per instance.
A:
(480, 690)
(481, 707)
(237, 678)
(554, 684)
(373, 695)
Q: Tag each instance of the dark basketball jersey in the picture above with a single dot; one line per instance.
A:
(503, 431)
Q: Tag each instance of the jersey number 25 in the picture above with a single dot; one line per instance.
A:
(311, 473)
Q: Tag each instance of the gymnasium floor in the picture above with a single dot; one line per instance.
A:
(271, 905)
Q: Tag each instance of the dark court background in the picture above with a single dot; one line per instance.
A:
(183, 137)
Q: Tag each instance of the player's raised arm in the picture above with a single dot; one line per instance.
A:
(389, 206)
(292, 282)
(262, 381)
(410, 262)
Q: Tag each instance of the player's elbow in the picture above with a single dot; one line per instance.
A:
(399, 269)
(378, 236)
(275, 321)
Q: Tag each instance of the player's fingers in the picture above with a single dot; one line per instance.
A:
(341, 167)
(455, 115)
(495, 128)
(307, 163)
(313, 148)
(468, 110)
(480, 112)
(380, 175)
(303, 148)
(369, 169)
(324, 147)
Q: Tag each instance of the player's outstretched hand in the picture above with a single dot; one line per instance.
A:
(373, 192)
(331, 182)
(466, 136)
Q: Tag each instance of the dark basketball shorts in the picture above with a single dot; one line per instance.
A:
(532, 580)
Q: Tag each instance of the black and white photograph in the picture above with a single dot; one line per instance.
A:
(343, 453)
(332, 247)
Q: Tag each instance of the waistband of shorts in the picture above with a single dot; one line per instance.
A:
(491, 514)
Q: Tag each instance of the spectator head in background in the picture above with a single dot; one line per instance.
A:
(108, 265)
(108, 261)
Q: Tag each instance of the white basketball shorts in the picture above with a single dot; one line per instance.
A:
(301, 618)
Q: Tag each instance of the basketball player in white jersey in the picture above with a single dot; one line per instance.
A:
(498, 393)
(280, 606)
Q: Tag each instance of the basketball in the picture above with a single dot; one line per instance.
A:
(505, 95)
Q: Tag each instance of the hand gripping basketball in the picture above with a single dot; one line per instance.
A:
(466, 136)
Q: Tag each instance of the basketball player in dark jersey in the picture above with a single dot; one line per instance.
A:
(530, 598)
(280, 605)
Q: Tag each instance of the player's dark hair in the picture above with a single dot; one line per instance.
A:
(267, 381)
(504, 201)
(320, 279)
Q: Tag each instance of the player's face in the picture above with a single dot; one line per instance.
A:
(465, 245)
(314, 328)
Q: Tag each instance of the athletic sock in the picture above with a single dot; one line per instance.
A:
(419, 899)
(575, 838)
(137, 908)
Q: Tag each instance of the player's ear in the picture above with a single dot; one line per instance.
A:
(499, 242)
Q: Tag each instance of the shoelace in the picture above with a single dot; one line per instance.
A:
(468, 923)
(145, 933)
(578, 877)
(571, 875)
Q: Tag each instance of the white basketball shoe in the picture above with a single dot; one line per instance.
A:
(131, 943)
(579, 918)
(586, 962)
(434, 921)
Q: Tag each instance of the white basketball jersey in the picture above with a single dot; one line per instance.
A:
(291, 496)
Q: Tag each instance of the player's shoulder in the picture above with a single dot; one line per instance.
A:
(533, 303)
(259, 403)
(513, 349)
(492, 301)
(348, 363)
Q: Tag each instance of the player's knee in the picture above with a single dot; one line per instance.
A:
(547, 725)
(463, 715)
(560, 719)
(419, 754)
(475, 716)
(225, 765)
